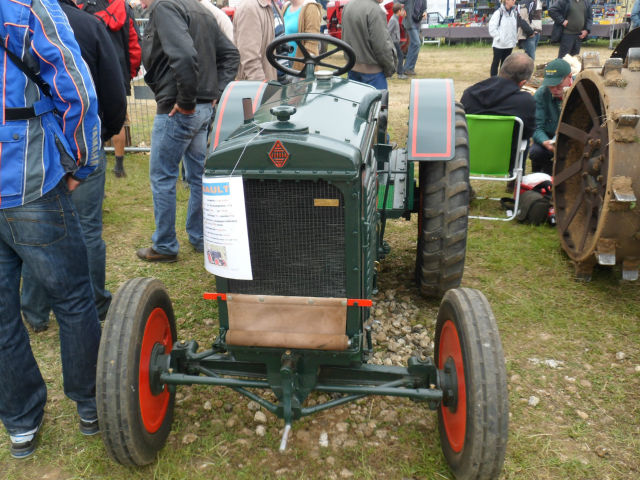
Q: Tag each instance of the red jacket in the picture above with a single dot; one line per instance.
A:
(117, 15)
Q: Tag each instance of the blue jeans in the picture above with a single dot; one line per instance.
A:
(377, 80)
(530, 44)
(46, 236)
(172, 139)
(413, 50)
(87, 199)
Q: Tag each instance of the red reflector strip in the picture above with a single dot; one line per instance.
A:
(214, 296)
(359, 302)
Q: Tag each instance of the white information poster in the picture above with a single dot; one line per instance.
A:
(226, 241)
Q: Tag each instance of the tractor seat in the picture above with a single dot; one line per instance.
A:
(314, 323)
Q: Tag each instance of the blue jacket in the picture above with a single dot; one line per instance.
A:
(635, 15)
(64, 137)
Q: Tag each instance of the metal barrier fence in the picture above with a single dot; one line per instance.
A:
(141, 110)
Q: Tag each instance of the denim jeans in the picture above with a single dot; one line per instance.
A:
(172, 139)
(413, 50)
(530, 44)
(45, 235)
(377, 80)
(87, 199)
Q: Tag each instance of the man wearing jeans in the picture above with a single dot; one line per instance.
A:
(42, 158)
(412, 23)
(101, 58)
(364, 27)
(189, 62)
(530, 19)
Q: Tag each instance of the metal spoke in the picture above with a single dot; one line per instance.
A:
(303, 49)
(326, 54)
(569, 218)
(329, 65)
(570, 171)
(586, 100)
(573, 132)
(587, 227)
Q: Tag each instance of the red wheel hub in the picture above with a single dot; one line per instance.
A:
(455, 423)
(153, 408)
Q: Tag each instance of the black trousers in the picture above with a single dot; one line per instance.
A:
(499, 54)
(541, 159)
(569, 43)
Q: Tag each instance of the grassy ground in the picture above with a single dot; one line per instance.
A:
(574, 346)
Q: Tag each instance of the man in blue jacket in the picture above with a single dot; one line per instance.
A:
(49, 142)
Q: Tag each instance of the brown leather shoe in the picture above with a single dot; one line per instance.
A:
(150, 255)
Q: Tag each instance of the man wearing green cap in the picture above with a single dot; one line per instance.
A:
(557, 76)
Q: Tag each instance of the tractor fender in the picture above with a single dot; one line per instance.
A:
(432, 120)
(229, 113)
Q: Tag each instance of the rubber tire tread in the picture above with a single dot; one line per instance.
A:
(442, 229)
(124, 436)
(485, 444)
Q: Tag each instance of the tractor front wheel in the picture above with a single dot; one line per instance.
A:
(443, 217)
(473, 418)
(135, 413)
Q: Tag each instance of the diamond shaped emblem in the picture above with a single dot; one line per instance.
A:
(278, 154)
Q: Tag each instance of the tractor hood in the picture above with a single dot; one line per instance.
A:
(313, 125)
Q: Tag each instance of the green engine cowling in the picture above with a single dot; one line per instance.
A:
(310, 183)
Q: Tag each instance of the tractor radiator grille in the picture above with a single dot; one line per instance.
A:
(296, 236)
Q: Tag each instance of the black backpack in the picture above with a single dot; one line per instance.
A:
(533, 208)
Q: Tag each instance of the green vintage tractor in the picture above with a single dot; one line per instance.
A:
(299, 183)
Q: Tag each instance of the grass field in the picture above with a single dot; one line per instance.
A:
(574, 346)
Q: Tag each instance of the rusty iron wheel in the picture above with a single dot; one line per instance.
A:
(595, 177)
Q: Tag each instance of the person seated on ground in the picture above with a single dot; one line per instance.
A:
(548, 98)
(502, 95)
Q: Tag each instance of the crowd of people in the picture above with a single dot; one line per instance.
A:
(62, 57)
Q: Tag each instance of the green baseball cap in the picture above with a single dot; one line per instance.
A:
(555, 71)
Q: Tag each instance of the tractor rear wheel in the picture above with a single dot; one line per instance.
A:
(443, 217)
(596, 180)
(135, 414)
(473, 418)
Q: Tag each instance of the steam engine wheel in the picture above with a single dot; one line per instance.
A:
(596, 172)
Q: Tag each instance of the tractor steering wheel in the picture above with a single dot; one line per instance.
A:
(307, 58)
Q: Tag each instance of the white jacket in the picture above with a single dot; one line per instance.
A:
(504, 30)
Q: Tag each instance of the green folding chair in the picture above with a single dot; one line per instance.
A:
(490, 138)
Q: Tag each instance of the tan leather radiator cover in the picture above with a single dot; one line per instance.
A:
(287, 322)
